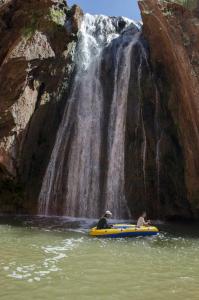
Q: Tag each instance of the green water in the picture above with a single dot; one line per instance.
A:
(57, 262)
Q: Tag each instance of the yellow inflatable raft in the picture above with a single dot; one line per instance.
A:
(124, 230)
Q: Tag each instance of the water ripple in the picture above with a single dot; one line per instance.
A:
(53, 254)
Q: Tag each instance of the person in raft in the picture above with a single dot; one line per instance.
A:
(141, 221)
(103, 222)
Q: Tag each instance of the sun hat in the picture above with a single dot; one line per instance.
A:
(108, 213)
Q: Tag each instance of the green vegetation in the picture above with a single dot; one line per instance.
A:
(191, 4)
(167, 13)
(29, 31)
(188, 3)
(39, 20)
(57, 16)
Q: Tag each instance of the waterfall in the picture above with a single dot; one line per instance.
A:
(158, 141)
(85, 174)
(144, 146)
(115, 179)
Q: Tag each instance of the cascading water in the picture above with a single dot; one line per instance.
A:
(158, 140)
(85, 174)
(144, 146)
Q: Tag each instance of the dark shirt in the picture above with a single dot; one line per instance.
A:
(103, 224)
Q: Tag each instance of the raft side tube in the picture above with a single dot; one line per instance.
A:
(124, 230)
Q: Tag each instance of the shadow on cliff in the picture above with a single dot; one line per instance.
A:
(33, 144)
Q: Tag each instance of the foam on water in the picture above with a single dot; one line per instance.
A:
(53, 254)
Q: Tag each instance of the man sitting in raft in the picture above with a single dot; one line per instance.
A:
(141, 221)
(103, 222)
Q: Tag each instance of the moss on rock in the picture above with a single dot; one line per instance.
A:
(57, 16)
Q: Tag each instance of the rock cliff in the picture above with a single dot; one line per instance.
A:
(37, 50)
(172, 32)
(37, 43)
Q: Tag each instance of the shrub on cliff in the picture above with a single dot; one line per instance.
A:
(191, 4)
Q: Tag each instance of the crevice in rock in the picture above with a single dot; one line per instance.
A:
(41, 91)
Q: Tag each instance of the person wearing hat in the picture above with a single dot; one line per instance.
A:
(103, 222)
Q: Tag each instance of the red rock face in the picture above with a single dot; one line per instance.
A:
(36, 62)
(172, 32)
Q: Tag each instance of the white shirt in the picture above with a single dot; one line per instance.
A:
(140, 222)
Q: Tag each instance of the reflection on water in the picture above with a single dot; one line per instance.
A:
(54, 258)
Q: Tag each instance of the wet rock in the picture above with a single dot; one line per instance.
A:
(36, 63)
(175, 62)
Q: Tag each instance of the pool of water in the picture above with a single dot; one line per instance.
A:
(56, 259)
